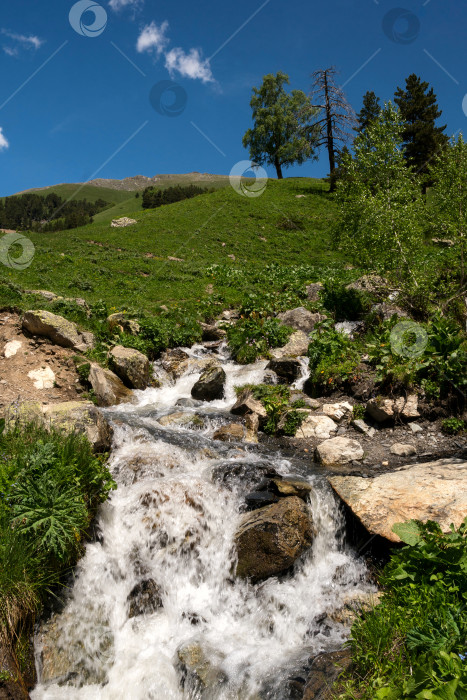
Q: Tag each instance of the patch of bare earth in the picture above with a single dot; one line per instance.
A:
(33, 369)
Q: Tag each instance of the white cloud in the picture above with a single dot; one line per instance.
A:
(9, 51)
(189, 65)
(3, 141)
(153, 38)
(30, 42)
(120, 4)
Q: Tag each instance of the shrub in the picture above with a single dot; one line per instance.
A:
(345, 304)
(253, 337)
(334, 358)
(452, 426)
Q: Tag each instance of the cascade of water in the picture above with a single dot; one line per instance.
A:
(170, 523)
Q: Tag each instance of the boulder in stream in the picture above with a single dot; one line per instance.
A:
(108, 388)
(270, 539)
(210, 386)
(199, 669)
(288, 369)
(234, 432)
(131, 366)
(145, 598)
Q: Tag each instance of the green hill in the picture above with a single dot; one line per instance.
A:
(288, 225)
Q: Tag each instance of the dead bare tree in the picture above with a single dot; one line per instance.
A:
(338, 119)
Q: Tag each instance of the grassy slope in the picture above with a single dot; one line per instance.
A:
(89, 192)
(99, 262)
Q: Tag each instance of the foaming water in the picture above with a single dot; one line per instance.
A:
(169, 521)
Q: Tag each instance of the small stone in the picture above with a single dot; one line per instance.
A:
(338, 451)
(415, 428)
(337, 411)
(402, 450)
(12, 348)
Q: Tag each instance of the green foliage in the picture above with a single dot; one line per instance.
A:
(293, 421)
(275, 399)
(358, 411)
(452, 426)
(346, 304)
(448, 200)
(283, 133)
(254, 337)
(412, 645)
(378, 223)
(50, 487)
(334, 358)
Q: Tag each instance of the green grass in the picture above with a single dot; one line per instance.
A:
(129, 268)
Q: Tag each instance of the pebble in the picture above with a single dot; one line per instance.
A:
(415, 428)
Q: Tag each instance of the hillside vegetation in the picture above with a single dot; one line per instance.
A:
(130, 268)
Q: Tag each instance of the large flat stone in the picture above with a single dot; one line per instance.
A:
(430, 491)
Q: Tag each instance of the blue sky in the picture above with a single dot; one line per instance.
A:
(74, 106)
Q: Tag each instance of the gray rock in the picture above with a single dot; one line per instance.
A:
(210, 386)
(171, 361)
(415, 428)
(235, 432)
(338, 451)
(301, 319)
(317, 426)
(58, 329)
(383, 410)
(361, 427)
(297, 346)
(187, 420)
(128, 325)
(402, 450)
(131, 366)
(314, 290)
(108, 388)
(269, 540)
(246, 403)
(70, 416)
(287, 368)
(212, 332)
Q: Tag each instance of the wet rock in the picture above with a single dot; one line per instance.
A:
(57, 329)
(291, 487)
(128, 325)
(252, 427)
(212, 332)
(339, 450)
(210, 386)
(317, 426)
(131, 366)
(270, 539)
(313, 291)
(69, 416)
(337, 411)
(297, 346)
(199, 669)
(172, 359)
(183, 419)
(428, 491)
(287, 369)
(189, 403)
(12, 687)
(108, 388)
(259, 499)
(246, 475)
(402, 450)
(384, 410)
(301, 319)
(246, 404)
(234, 432)
(269, 377)
(145, 598)
(325, 670)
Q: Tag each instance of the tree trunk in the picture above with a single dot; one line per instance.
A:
(329, 136)
(278, 169)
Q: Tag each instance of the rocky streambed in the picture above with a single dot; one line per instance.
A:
(221, 567)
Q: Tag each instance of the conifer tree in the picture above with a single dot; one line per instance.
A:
(370, 110)
(422, 139)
